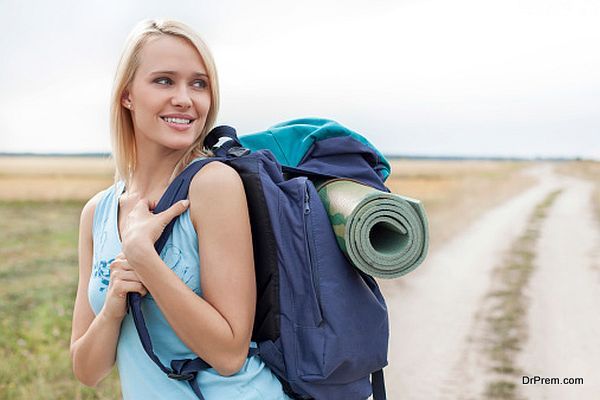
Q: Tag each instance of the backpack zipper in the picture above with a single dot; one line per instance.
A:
(312, 261)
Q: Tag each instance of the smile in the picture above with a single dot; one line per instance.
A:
(178, 120)
(180, 124)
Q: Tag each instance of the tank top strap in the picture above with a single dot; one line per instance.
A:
(106, 204)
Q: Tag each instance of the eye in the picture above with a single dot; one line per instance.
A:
(163, 81)
(200, 83)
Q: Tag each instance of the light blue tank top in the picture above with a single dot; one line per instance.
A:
(140, 377)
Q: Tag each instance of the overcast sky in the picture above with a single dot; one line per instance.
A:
(421, 77)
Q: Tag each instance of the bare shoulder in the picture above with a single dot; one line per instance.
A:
(216, 190)
(215, 180)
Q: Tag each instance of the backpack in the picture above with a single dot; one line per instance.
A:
(321, 325)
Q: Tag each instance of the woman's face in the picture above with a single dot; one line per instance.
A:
(169, 96)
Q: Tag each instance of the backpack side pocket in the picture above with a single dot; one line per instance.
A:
(310, 351)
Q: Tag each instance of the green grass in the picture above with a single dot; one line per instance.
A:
(501, 390)
(39, 272)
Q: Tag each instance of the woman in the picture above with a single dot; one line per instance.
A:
(199, 295)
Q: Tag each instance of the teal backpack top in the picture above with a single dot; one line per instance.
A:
(294, 141)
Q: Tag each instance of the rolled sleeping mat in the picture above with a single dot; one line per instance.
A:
(384, 235)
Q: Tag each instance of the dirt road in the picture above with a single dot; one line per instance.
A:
(436, 311)
(564, 315)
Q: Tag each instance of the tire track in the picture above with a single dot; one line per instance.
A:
(503, 313)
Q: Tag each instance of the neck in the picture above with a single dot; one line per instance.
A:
(153, 169)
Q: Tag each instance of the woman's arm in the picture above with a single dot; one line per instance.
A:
(94, 338)
(218, 326)
(90, 363)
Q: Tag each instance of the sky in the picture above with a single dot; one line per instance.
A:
(429, 77)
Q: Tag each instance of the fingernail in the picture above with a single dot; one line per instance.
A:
(186, 203)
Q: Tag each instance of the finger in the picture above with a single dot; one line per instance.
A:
(141, 205)
(141, 289)
(130, 276)
(173, 211)
(120, 264)
(117, 263)
(124, 287)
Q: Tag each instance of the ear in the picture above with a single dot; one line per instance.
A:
(126, 99)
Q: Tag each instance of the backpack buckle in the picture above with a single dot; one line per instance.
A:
(180, 377)
(237, 151)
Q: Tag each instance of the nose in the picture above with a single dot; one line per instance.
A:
(181, 97)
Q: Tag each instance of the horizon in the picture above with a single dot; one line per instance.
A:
(388, 156)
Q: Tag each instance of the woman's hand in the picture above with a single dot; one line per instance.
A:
(123, 279)
(143, 228)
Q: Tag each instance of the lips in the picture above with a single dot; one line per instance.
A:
(180, 122)
(177, 120)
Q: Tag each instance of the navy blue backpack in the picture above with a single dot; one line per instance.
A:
(321, 325)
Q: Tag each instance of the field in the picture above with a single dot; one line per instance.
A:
(53, 178)
(40, 202)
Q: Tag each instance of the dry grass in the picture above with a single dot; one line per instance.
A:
(455, 193)
(53, 178)
(587, 170)
(53, 166)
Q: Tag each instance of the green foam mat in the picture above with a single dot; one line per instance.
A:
(385, 235)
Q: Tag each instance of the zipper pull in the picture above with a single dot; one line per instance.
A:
(307, 199)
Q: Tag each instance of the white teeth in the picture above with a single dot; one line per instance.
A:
(177, 120)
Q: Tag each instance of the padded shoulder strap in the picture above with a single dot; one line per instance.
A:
(177, 190)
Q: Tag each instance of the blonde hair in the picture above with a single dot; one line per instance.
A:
(122, 135)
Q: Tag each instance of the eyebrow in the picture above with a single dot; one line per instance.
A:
(175, 73)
